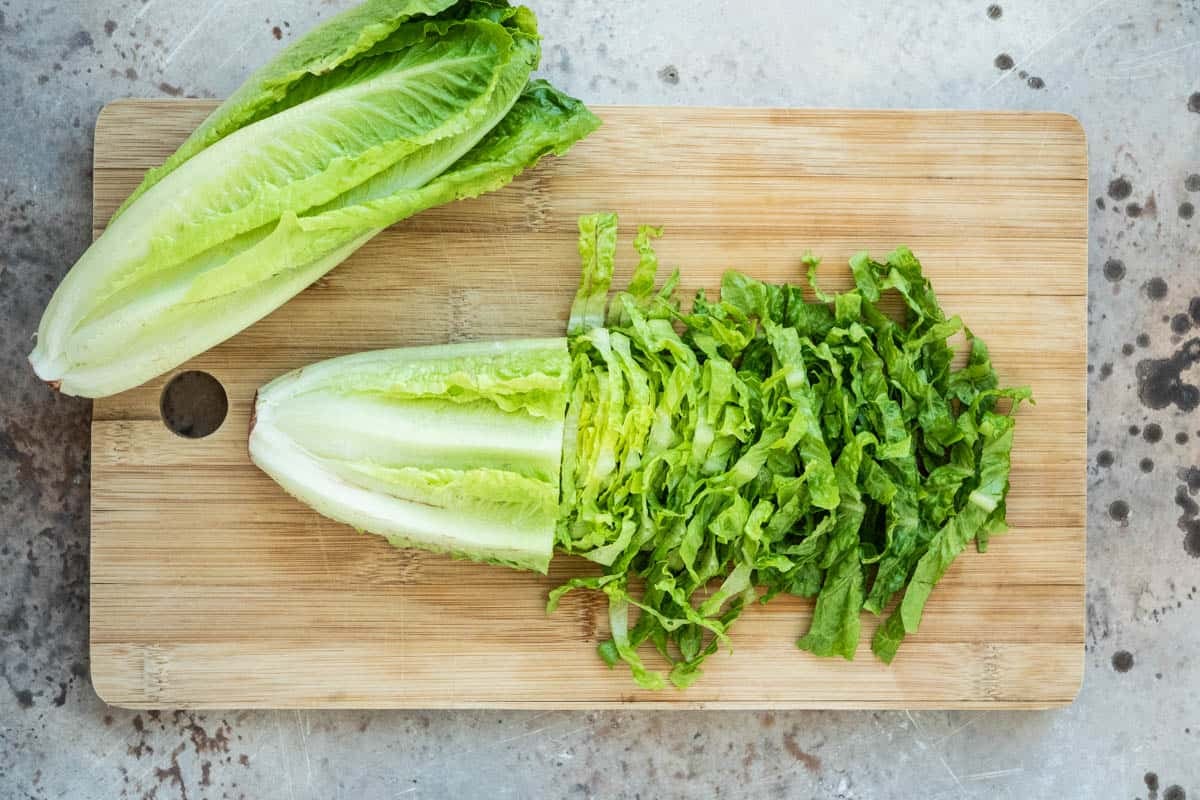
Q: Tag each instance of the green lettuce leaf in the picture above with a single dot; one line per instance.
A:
(454, 449)
(763, 444)
(389, 109)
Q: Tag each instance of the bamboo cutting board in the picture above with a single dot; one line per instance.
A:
(213, 588)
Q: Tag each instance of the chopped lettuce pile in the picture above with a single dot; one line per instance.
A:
(388, 109)
(761, 444)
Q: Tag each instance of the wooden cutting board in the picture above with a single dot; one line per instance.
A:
(213, 588)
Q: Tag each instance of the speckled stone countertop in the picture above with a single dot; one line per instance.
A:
(1130, 71)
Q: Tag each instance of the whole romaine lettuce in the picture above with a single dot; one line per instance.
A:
(384, 111)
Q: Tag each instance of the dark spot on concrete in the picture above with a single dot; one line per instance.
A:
(1127, 349)
(24, 698)
(1160, 380)
(1106, 370)
(1119, 510)
(217, 743)
(1133, 210)
(1100, 203)
(43, 80)
(1152, 433)
(1191, 538)
(139, 724)
(810, 762)
(1003, 61)
(60, 699)
(277, 32)
(1104, 459)
(80, 39)
(108, 720)
(1091, 368)
(205, 773)
(244, 760)
(1035, 82)
(1122, 661)
(131, 73)
(669, 74)
(1189, 519)
(1151, 781)
(1181, 324)
(1119, 188)
(1175, 792)
(109, 27)
(1114, 269)
(1186, 504)
(1194, 102)
(750, 757)
(166, 88)
(173, 773)
(1194, 310)
(1156, 288)
(1186, 210)
(1022, 74)
(1146, 465)
(1181, 437)
(1143, 340)
(994, 11)
(1192, 182)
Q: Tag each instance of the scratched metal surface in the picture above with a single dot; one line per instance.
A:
(1130, 71)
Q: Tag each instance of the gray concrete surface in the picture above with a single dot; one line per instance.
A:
(1129, 70)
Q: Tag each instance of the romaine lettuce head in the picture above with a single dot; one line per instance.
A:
(383, 112)
(454, 448)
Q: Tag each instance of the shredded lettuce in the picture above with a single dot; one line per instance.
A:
(763, 444)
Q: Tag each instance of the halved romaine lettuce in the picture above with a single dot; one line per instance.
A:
(453, 448)
(387, 110)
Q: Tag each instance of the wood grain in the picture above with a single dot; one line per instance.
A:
(212, 588)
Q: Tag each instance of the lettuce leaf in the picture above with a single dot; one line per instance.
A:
(454, 448)
(387, 110)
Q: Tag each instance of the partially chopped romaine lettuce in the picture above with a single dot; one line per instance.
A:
(759, 444)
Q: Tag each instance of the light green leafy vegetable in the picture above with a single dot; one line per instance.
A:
(388, 109)
(453, 448)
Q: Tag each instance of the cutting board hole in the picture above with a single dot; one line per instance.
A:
(193, 404)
